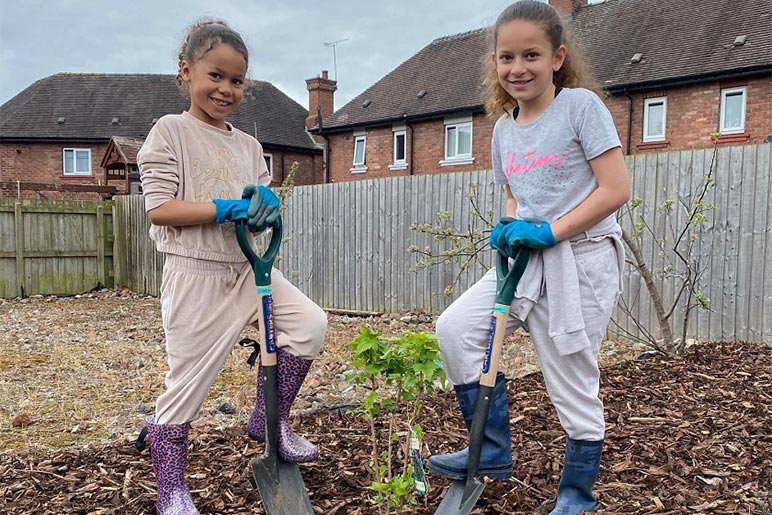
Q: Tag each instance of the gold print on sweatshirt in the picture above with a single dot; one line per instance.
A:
(215, 173)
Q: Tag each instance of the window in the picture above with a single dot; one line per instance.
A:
(654, 115)
(399, 147)
(399, 161)
(77, 161)
(732, 117)
(360, 142)
(359, 150)
(458, 141)
(269, 163)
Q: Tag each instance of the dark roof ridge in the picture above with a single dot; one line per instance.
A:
(460, 35)
(119, 74)
(106, 74)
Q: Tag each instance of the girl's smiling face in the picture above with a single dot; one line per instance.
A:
(525, 63)
(216, 82)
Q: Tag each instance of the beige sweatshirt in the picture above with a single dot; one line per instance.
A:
(184, 158)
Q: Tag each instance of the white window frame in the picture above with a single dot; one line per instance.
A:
(75, 172)
(722, 128)
(269, 163)
(359, 166)
(647, 115)
(399, 164)
(456, 122)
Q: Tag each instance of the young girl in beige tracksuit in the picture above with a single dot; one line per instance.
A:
(199, 175)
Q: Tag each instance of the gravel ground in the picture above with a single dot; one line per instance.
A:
(86, 369)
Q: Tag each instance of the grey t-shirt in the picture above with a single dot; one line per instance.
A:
(545, 162)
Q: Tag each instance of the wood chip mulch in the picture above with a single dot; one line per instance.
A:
(685, 435)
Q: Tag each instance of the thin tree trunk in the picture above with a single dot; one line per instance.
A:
(656, 297)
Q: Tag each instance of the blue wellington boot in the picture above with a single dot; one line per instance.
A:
(580, 470)
(496, 455)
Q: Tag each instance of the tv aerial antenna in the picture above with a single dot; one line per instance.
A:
(334, 44)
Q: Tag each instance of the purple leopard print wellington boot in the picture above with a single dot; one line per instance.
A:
(291, 370)
(169, 450)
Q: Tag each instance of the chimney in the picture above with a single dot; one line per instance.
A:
(567, 7)
(321, 97)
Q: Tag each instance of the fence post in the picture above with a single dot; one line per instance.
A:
(120, 233)
(21, 273)
(100, 229)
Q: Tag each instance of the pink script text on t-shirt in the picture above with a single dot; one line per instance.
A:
(530, 163)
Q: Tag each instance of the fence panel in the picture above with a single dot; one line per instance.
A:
(138, 265)
(346, 244)
(55, 247)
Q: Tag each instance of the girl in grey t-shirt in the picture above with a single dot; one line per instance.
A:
(556, 153)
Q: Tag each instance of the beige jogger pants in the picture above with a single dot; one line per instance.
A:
(205, 305)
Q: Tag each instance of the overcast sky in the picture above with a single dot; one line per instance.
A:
(286, 39)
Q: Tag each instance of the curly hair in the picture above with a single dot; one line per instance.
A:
(204, 35)
(573, 74)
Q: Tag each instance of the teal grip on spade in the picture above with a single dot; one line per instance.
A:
(260, 264)
(507, 278)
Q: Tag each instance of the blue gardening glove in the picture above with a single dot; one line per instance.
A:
(498, 237)
(528, 234)
(263, 207)
(230, 210)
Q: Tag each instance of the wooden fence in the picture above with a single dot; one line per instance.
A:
(346, 244)
(734, 246)
(137, 264)
(54, 247)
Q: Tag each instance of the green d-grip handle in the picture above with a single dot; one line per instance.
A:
(506, 277)
(260, 264)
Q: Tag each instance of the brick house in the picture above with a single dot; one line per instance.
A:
(70, 135)
(673, 73)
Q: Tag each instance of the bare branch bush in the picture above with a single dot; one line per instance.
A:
(683, 262)
(465, 247)
(679, 248)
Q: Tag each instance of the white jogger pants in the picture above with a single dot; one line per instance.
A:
(573, 380)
